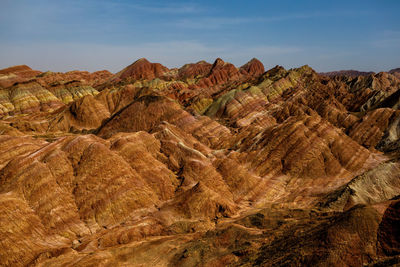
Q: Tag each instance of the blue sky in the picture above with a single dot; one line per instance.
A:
(92, 35)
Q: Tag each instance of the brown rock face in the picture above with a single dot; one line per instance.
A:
(196, 70)
(252, 68)
(27, 97)
(220, 73)
(20, 73)
(389, 230)
(141, 69)
(49, 79)
(205, 165)
(20, 70)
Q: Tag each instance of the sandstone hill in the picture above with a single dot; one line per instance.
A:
(205, 165)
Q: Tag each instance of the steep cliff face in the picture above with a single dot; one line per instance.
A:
(206, 165)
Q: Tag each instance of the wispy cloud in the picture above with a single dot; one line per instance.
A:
(181, 9)
(164, 8)
(220, 22)
(212, 22)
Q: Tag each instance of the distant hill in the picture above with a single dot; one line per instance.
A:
(352, 73)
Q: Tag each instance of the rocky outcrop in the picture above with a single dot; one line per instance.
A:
(194, 70)
(252, 68)
(221, 72)
(12, 75)
(27, 97)
(377, 185)
(94, 79)
(388, 233)
(141, 69)
(42, 92)
(70, 91)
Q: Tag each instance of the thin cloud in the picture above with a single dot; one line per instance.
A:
(170, 8)
(220, 22)
(213, 23)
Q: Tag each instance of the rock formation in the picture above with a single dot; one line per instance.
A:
(205, 165)
(14, 74)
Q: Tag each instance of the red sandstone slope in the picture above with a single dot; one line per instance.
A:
(252, 68)
(194, 70)
(14, 74)
(20, 70)
(206, 165)
(141, 69)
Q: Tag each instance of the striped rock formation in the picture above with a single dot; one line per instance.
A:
(20, 73)
(205, 165)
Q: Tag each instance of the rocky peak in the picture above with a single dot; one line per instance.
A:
(254, 68)
(15, 69)
(201, 68)
(218, 63)
(142, 69)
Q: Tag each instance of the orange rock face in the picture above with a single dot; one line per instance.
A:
(252, 68)
(205, 165)
(14, 74)
(220, 73)
(141, 69)
(199, 69)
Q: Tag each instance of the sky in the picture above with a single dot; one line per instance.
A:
(63, 35)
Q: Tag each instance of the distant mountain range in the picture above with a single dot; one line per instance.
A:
(354, 73)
